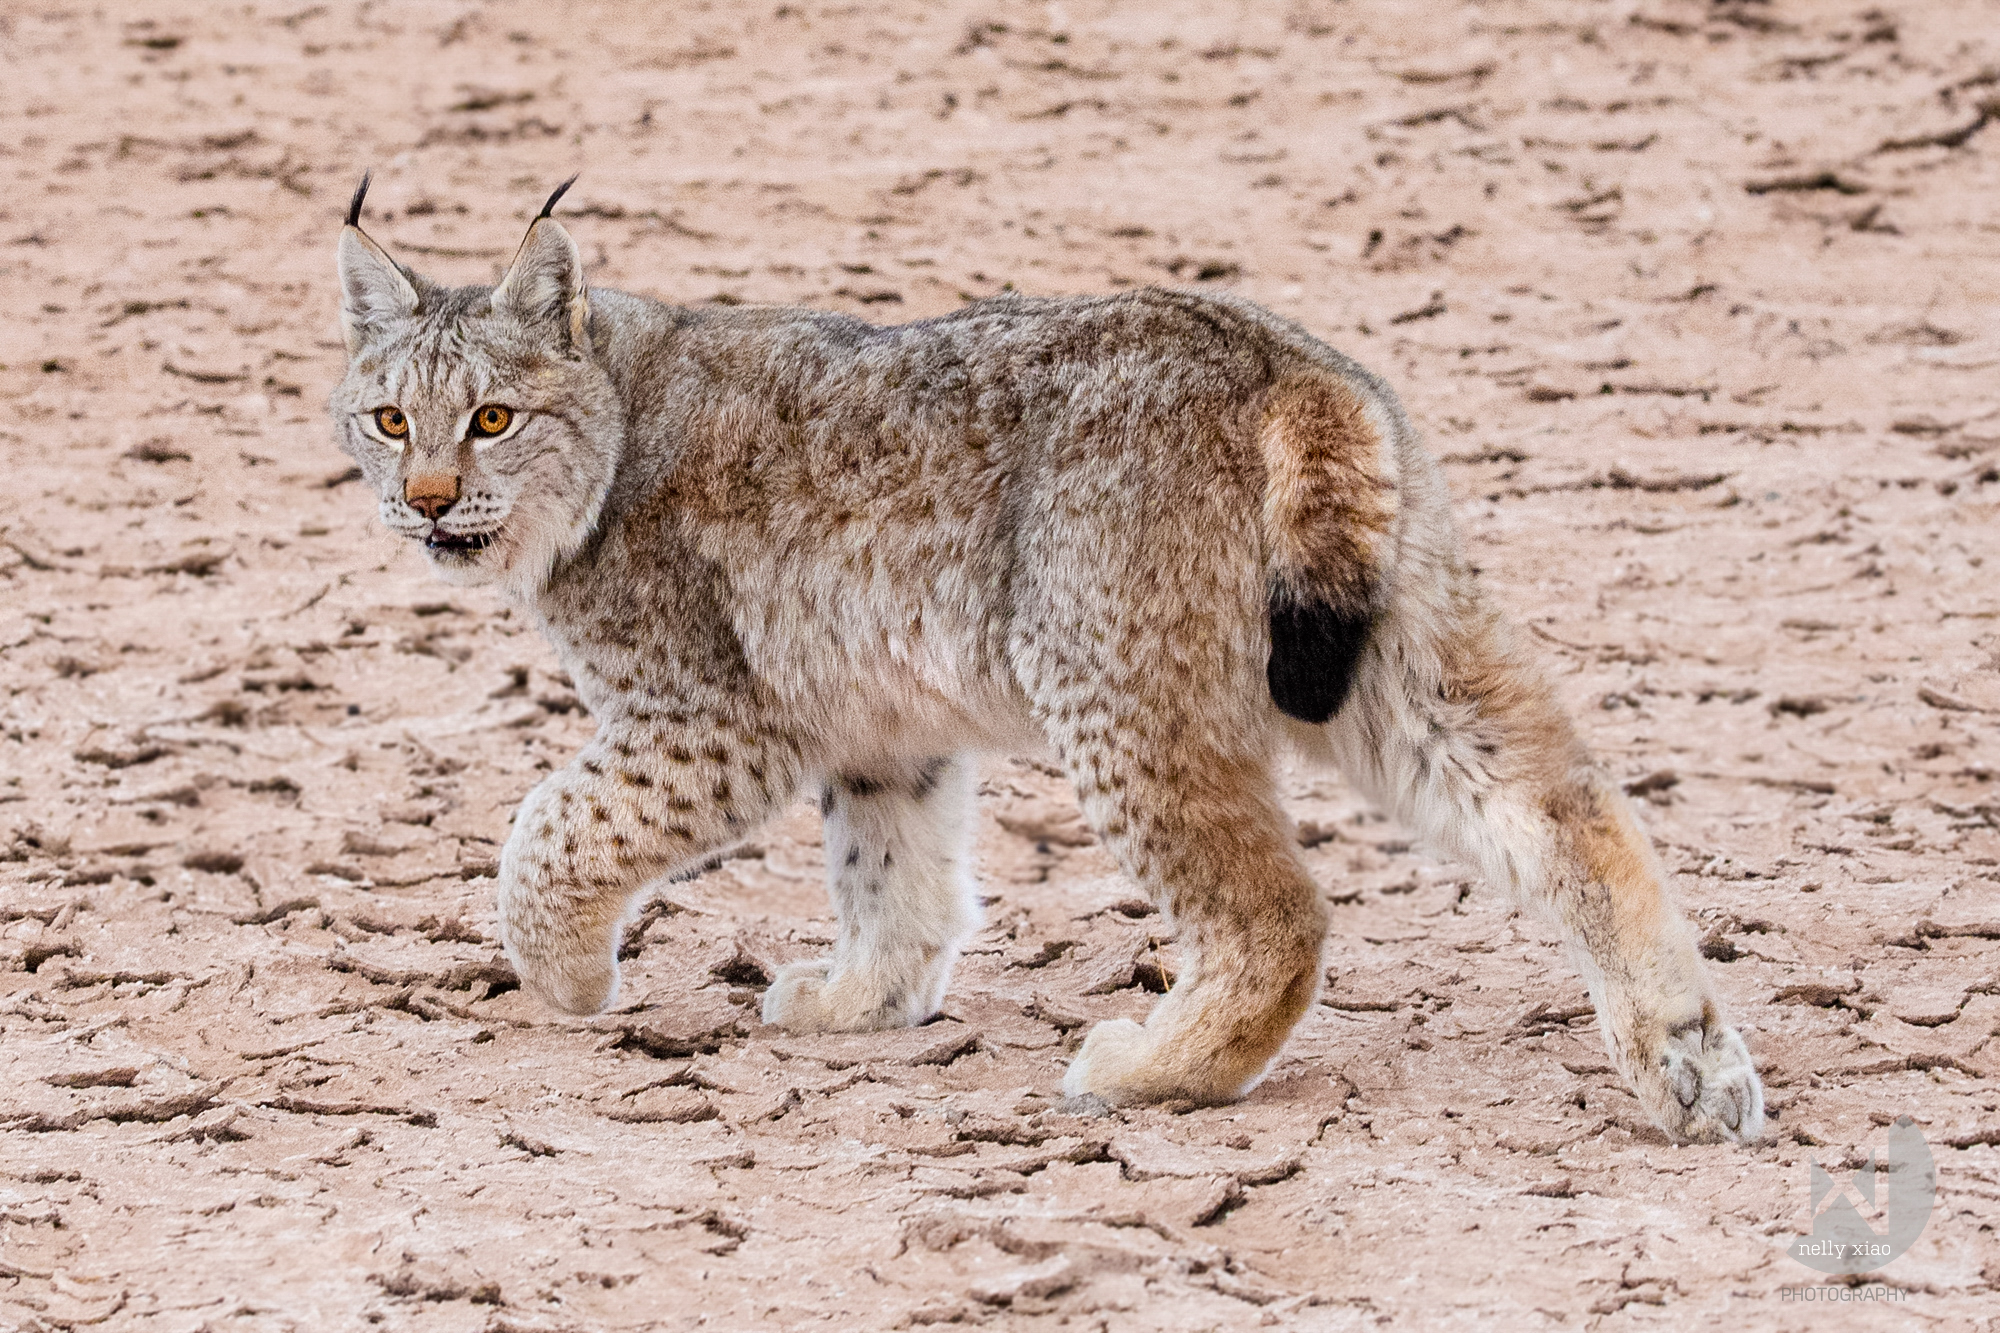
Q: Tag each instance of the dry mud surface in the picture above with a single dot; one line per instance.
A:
(1697, 303)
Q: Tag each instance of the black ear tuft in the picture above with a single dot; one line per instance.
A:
(549, 207)
(360, 193)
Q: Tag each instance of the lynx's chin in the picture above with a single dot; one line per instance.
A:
(463, 559)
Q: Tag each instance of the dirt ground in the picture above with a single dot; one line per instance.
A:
(1695, 300)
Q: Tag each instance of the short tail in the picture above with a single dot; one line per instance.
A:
(1329, 501)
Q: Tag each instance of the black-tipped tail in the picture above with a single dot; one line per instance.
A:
(1315, 648)
(561, 190)
(354, 204)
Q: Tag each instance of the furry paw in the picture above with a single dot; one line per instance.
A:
(1107, 1066)
(1123, 1063)
(1700, 1085)
(580, 985)
(810, 997)
(793, 1001)
(572, 970)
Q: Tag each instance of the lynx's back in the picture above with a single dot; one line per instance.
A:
(899, 490)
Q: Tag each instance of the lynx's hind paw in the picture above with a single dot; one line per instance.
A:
(1124, 1063)
(1104, 1067)
(1702, 1087)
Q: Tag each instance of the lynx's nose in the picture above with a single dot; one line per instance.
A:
(432, 494)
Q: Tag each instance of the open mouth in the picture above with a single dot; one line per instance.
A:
(457, 543)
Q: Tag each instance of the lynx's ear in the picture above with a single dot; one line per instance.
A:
(373, 290)
(544, 284)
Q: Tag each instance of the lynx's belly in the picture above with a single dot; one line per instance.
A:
(880, 638)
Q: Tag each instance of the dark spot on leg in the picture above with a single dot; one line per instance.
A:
(853, 856)
(859, 786)
(888, 859)
(927, 778)
(826, 800)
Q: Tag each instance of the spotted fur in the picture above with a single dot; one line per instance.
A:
(1162, 535)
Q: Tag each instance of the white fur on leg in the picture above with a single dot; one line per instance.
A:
(896, 870)
(1113, 1049)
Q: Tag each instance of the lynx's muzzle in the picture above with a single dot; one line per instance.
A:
(431, 494)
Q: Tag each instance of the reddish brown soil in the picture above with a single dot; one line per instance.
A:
(1701, 320)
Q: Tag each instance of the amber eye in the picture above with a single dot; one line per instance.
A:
(491, 420)
(391, 422)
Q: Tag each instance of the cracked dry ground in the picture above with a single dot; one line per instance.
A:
(1696, 301)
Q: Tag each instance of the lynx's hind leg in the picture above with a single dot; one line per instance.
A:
(1203, 833)
(1455, 731)
(1171, 771)
(896, 868)
(1140, 639)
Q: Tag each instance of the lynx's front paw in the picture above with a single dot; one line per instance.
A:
(577, 985)
(809, 997)
(793, 1000)
(1696, 1079)
(564, 968)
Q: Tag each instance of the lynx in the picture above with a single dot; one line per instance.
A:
(1160, 535)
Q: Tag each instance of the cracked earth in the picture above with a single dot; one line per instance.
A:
(1696, 301)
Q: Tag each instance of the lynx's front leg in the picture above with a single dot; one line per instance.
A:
(896, 870)
(639, 802)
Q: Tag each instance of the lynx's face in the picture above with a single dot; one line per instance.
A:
(479, 415)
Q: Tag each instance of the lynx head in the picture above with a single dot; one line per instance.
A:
(480, 415)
